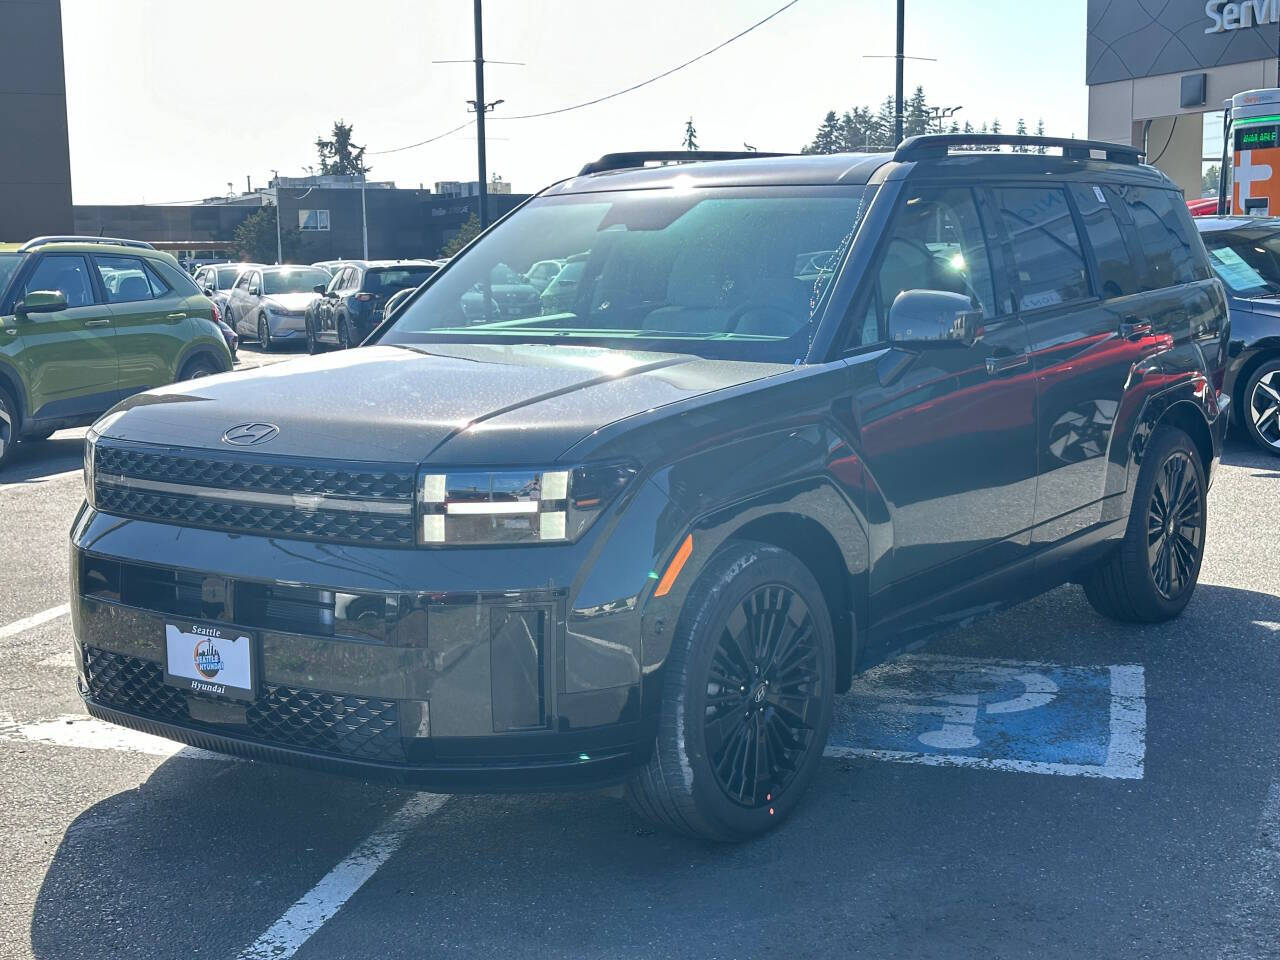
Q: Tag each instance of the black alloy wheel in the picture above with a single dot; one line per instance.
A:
(198, 369)
(344, 334)
(748, 690)
(1175, 527)
(1151, 574)
(1262, 407)
(8, 425)
(764, 695)
(264, 334)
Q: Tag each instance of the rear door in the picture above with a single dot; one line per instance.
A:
(947, 430)
(68, 357)
(1073, 282)
(149, 319)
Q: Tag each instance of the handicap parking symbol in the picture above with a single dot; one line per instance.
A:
(1021, 716)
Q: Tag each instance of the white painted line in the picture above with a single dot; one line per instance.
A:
(36, 483)
(989, 763)
(1127, 744)
(28, 623)
(87, 733)
(283, 939)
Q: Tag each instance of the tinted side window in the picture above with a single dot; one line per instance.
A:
(935, 243)
(1117, 270)
(64, 272)
(1047, 259)
(1167, 236)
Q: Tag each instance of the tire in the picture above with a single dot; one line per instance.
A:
(1152, 574)
(704, 778)
(344, 334)
(198, 367)
(1260, 412)
(264, 335)
(313, 345)
(8, 426)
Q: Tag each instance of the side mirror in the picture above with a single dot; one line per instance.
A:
(208, 291)
(41, 301)
(319, 288)
(920, 317)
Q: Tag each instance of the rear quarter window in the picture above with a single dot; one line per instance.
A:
(1117, 265)
(1172, 252)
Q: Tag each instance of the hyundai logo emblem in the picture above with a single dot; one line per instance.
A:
(250, 434)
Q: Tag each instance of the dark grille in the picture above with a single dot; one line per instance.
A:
(330, 525)
(371, 481)
(363, 727)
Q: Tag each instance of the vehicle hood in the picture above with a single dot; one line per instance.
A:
(295, 302)
(472, 404)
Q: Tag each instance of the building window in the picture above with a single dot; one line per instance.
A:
(1211, 154)
(313, 219)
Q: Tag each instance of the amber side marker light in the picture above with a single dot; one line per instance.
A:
(677, 564)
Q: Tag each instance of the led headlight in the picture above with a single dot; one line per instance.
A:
(90, 449)
(515, 506)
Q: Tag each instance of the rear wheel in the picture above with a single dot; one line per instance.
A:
(1151, 576)
(264, 335)
(1261, 409)
(747, 699)
(8, 425)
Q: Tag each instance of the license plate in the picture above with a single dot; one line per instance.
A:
(210, 658)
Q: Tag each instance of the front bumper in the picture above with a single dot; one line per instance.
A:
(422, 682)
(287, 326)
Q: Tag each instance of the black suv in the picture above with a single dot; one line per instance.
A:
(351, 304)
(800, 412)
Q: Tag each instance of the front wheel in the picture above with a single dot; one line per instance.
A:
(8, 425)
(747, 699)
(264, 335)
(1262, 407)
(313, 345)
(1152, 574)
(344, 334)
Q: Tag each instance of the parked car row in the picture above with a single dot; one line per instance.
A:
(354, 301)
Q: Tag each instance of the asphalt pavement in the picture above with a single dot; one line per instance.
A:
(1041, 783)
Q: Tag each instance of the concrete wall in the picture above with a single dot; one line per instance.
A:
(35, 164)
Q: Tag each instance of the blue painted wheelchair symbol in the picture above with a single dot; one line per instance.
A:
(999, 714)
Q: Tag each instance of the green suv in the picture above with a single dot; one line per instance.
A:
(85, 322)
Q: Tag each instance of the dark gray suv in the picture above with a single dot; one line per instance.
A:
(797, 413)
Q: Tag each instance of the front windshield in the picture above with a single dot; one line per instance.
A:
(8, 264)
(1247, 262)
(300, 280)
(713, 272)
(227, 277)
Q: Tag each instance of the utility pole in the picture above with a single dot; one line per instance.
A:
(900, 106)
(275, 180)
(481, 107)
(364, 213)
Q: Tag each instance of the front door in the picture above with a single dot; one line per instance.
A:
(68, 356)
(947, 430)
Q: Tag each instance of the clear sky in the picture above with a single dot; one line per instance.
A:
(171, 100)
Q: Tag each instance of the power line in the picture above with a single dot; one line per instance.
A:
(665, 73)
(610, 96)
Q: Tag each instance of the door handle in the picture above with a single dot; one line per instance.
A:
(176, 316)
(1003, 364)
(96, 323)
(1132, 328)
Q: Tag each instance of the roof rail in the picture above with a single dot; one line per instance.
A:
(638, 158)
(933, 145)
(38, 241)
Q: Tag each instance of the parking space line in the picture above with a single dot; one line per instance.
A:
(27, 623)
(284, 937)
(86, 733)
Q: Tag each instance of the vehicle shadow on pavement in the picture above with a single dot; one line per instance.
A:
(35, 460)
(897, 859)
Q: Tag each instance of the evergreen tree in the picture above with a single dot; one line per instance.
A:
(255, 238)
(916, 119)
(340, 155)
(827, 139)
(884, 122)
(1020, 130)
(690, 135)
(466, 233)
(1040, 133)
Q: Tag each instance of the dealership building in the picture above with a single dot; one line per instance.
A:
(1158, 73)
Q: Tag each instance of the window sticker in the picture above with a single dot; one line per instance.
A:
(1234, 271)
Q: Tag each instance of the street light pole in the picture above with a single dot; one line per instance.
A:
(275, 179)
(898, 57)
(364, 213)
(480, 110)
